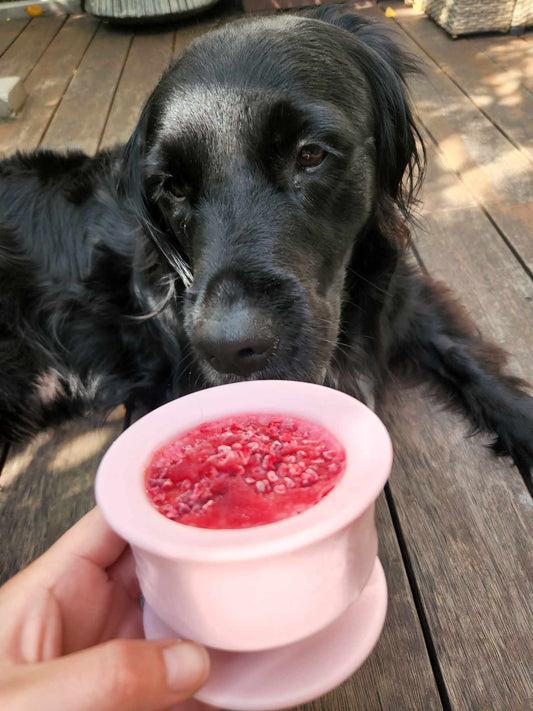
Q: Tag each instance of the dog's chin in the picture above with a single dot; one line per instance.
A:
(214, 377)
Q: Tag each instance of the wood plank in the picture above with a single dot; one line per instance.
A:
(397, 675)
(47, 83)
(24, 53)
(500, 96)
(148, 58)
(464, 515)
(496, 174)
(9, 31)
(467, 521)
(441, 189)
(150, 53)
(81, 116)
(512, 54)
(461, 247)
(47, 485)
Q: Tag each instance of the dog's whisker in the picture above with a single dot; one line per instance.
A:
(170, 283)
(328, 322)
(367, 281)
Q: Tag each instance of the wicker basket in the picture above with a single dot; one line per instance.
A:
(523, 13)
(460, 17)
(134, 11)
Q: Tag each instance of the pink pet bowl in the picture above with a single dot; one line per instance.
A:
(288, 610)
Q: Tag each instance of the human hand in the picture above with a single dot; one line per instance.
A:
(71, 634)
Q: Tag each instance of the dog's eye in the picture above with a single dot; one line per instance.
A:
(310, 156)
(176, 188)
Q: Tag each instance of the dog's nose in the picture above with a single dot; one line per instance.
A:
(239, 341)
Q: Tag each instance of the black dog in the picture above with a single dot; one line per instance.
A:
(255, 226)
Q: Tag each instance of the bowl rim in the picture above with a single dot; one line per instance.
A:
(129, 512)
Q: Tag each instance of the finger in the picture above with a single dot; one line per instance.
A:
(90, 538)
(193, 705)
(123, 572)
(122, 675)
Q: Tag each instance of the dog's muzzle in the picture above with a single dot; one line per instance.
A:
(238, 339)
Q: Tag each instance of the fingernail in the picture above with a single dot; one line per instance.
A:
(187, 666)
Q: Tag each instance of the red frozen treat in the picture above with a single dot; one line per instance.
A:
(244, 471)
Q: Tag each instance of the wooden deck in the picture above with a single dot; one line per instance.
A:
(455, 524)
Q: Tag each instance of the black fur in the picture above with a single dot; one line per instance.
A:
(111, 266)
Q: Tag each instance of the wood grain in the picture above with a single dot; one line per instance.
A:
(499, 95)
(460, 246)
(397, 675)
(512, 54)
(467, 520)
(9, 31)
(25, 51)
(149, 55)
(528, 35)
(47, 485)
(496, 174)
(47, 83)
(93, 88)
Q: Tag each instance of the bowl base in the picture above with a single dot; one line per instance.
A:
(296, 673)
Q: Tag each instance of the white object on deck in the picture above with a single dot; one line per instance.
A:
(12, 95)
(18, 8)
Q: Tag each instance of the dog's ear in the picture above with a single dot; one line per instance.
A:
(132, 189)
(400, 153)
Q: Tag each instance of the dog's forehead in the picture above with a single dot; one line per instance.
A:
(227, 77)
(266, 52)
(201, 110)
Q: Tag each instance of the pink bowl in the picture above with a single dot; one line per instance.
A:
(263, 587)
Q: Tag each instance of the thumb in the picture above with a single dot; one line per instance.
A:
(121, 675)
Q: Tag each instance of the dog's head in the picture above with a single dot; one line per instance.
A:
(266, 165)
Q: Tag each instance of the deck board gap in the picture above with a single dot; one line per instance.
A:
(52, 38)
(110, 107)
(502, 234)
(463, 91)
(173, 48)
(15, 38)
(484, 209)
(4, 451)
(418, 256)
(419, 606)
(28, 68)
(416, 223)
(68, 83)
(128, 416)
